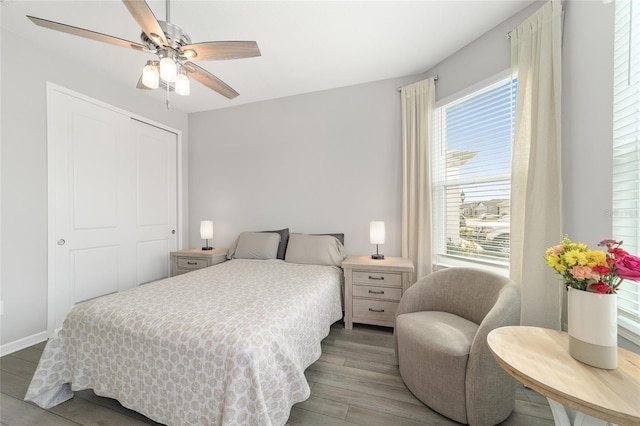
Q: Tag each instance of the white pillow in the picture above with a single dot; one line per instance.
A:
(314, 250)
(257, 245)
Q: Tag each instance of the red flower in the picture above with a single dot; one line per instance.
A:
(600, 287)
(607, 243)
(611, 260)
(618, 252)
(628, 267)
(602, 270)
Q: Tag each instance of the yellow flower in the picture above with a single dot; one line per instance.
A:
(575, 257)
(596, 257)
(555, 262)
(581, 246)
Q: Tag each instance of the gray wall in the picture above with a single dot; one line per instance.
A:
(25, 70)
(321, 162)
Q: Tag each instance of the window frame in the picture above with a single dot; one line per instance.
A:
(625, 219)
(441, 259)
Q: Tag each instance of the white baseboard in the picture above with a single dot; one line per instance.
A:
(11, 347)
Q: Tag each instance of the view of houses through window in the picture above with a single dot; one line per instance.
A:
(471, 174)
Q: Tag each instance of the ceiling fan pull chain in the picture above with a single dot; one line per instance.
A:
(168, 105)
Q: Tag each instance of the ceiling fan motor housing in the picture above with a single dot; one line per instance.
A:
(175, 36)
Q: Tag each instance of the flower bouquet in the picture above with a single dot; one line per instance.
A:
(593, 270)
(592, 278)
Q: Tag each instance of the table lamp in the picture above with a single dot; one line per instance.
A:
(206, 233)
(376, 236)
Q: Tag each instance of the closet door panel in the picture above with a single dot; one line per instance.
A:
(156, 199)
(112, 201)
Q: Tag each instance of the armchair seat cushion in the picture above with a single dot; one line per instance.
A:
(444, 339)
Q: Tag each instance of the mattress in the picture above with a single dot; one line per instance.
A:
(225, 345)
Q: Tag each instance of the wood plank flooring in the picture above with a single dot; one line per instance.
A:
(355, 382)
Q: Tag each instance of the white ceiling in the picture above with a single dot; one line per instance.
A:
(306, 46)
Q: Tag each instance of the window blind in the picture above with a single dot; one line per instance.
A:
(626, 156)
(471, 175)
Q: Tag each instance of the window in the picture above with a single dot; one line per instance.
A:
(471, 176)
(626, 156)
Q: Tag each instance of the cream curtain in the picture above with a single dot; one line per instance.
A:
(418, 102)
(536, 185)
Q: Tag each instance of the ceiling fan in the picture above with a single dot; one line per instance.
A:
(173, 47)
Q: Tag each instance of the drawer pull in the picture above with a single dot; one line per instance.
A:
(192, 263)
(376, 278)
(376, 292)
(376, 310)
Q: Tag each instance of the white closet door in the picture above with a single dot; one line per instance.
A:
(156, 192)
(112, 202)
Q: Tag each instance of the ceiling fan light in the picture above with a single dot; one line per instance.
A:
(151, 75)
(168, 69)
(182, 84)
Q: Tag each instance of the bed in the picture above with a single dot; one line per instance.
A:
(225, 345)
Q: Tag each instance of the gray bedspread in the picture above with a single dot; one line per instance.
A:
(225, 345)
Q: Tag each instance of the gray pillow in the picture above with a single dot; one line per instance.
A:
(282, 247)
(340, 237)
(284, 239)
(257, 245)
(314, 250)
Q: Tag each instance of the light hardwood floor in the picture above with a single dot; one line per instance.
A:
(355, 382)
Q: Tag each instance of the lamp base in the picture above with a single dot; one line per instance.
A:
(377, 256)
(207, 248)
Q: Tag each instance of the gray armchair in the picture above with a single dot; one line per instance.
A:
(441, 329)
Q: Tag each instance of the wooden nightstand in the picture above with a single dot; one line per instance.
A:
(183, 261)
(373, 289)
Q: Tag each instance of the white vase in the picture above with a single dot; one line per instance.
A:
(593, 328)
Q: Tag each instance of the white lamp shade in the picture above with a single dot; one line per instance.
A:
(376, 232)
(150, 75)
(168, 69)
(182, 84)
(206, 229)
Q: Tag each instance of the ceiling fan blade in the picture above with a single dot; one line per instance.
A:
(211, 81)
(86, 33)
(143, 15)
(219, 50)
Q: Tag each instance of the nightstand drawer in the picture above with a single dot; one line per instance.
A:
(192, 263)
(365, 309)
(375, 292)
(377, 278)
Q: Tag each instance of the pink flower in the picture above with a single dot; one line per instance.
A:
(556, 249)
(628, 267)
(600, 287)
(582, 272)
(607, 242)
